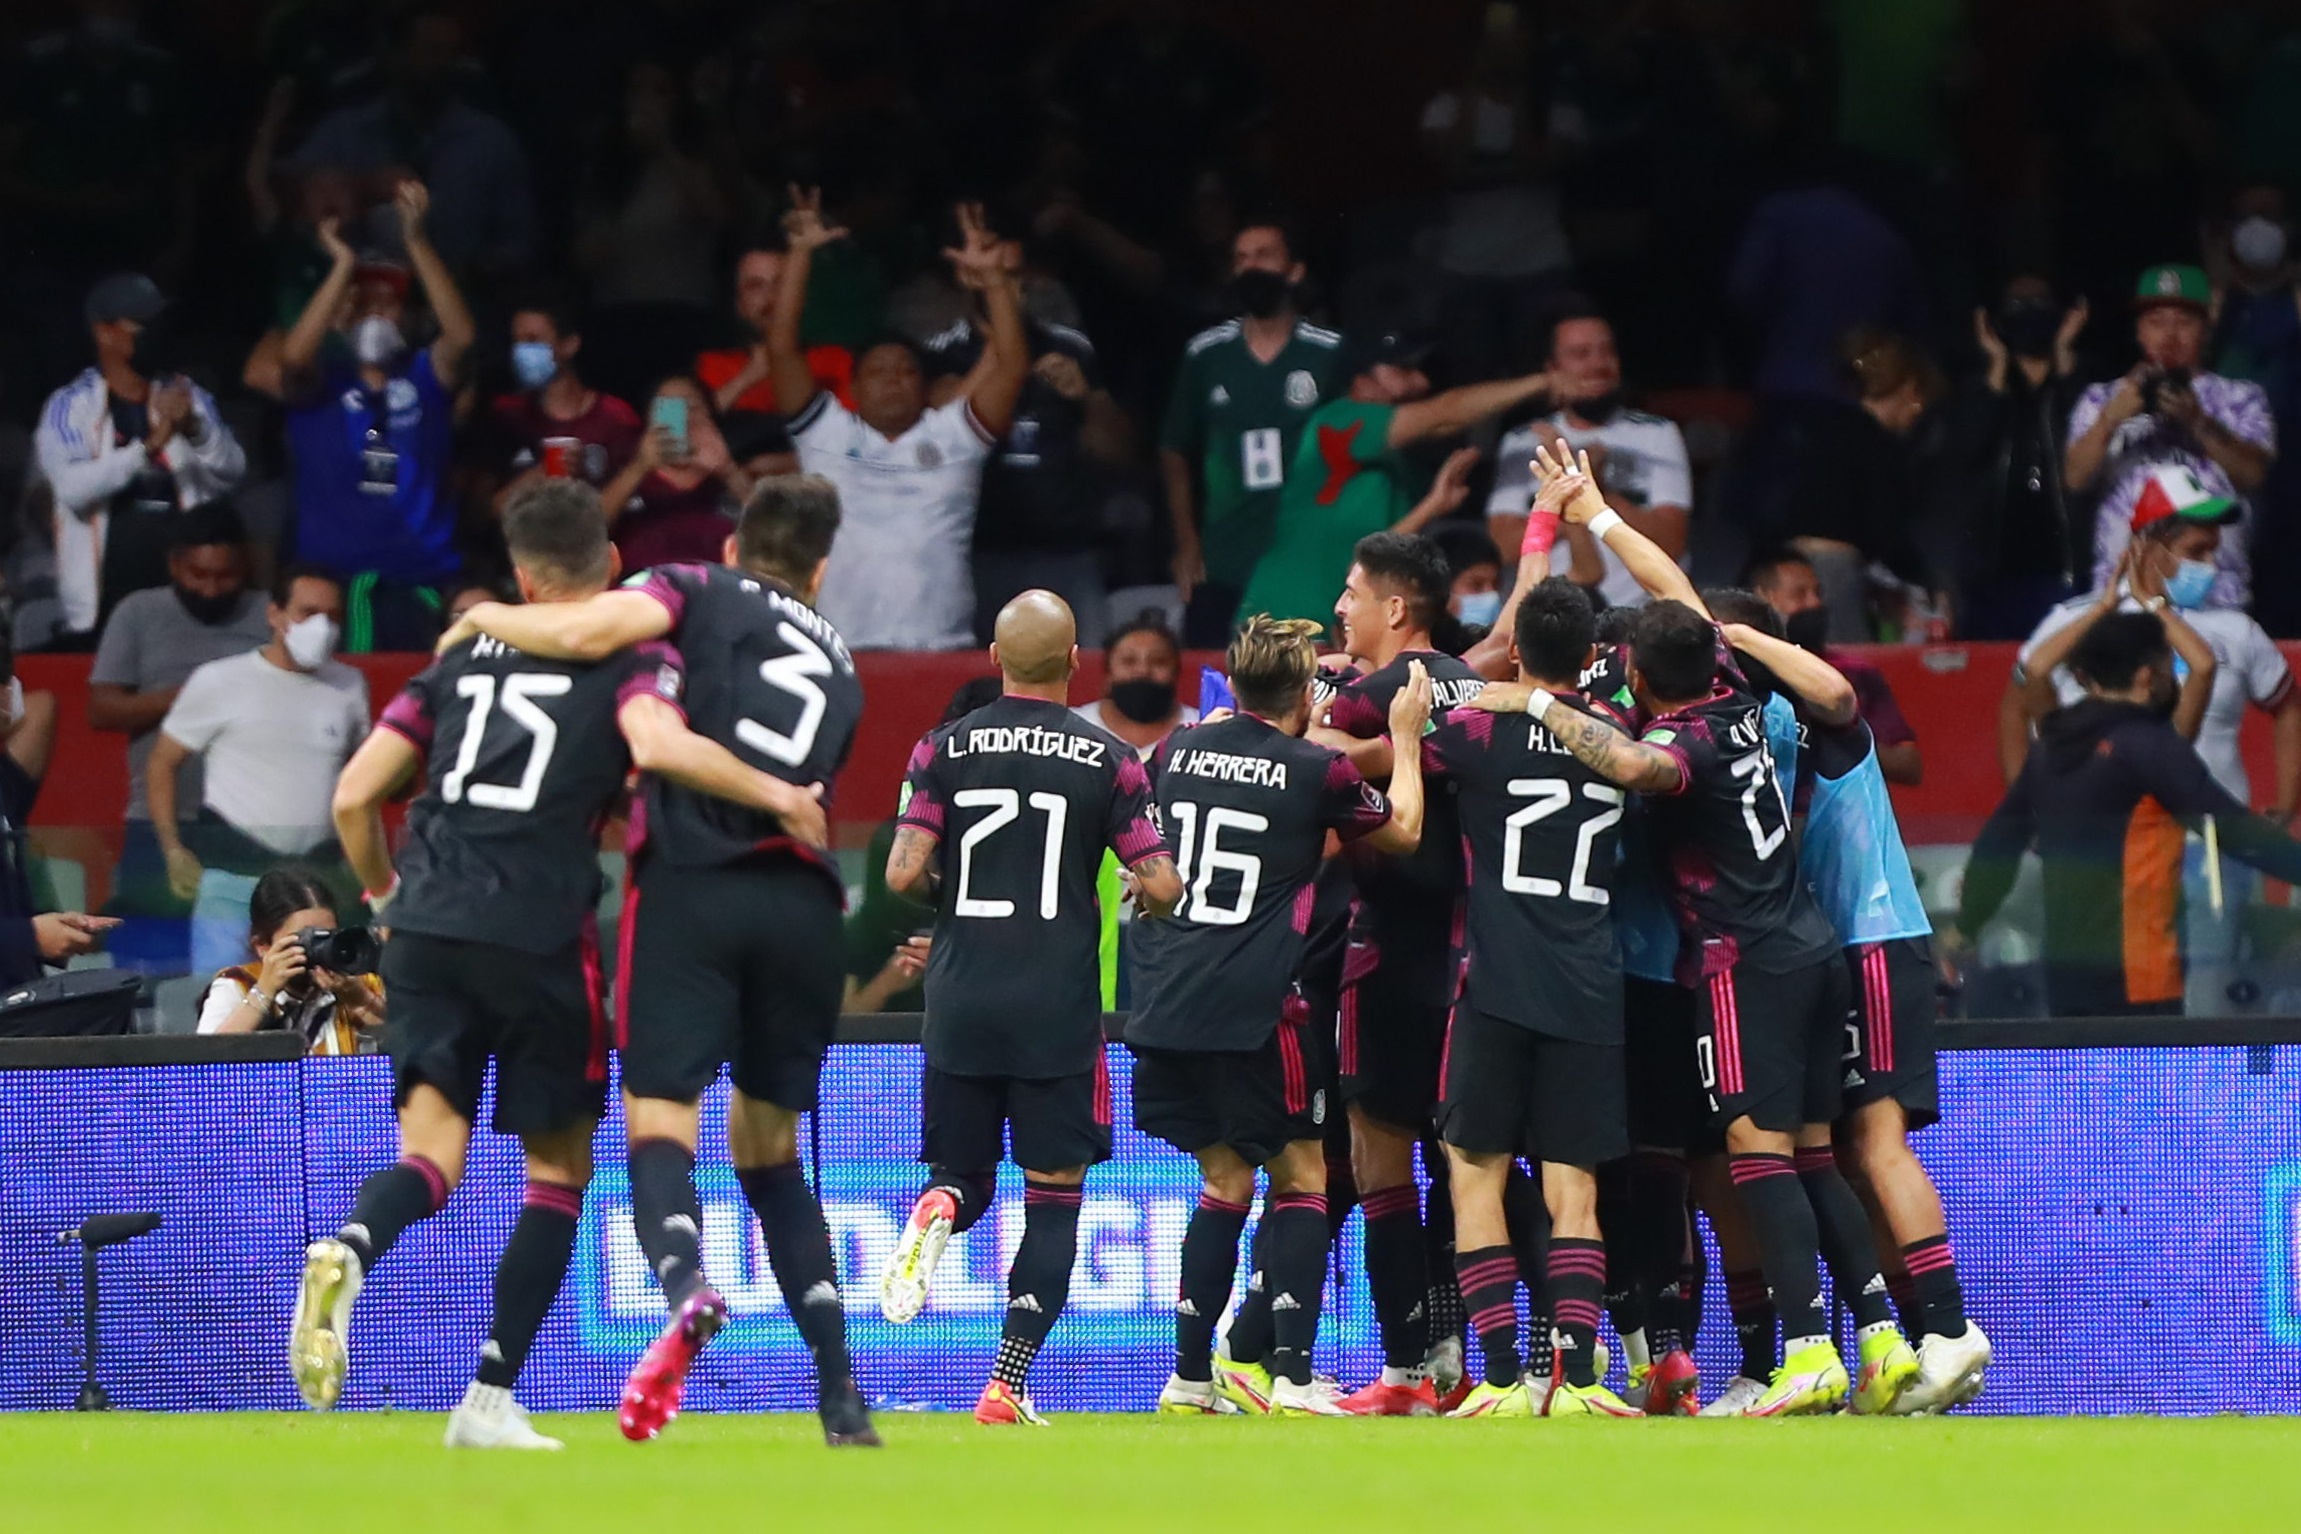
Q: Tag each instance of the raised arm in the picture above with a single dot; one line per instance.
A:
(1007, 350)
(456, 330)
(804, 232)
(1490, 657)
(1824, 688)
(589, 630)
(384, 764)
(1457, 410)
(300, 348)
(1583, 506)
(662, 743)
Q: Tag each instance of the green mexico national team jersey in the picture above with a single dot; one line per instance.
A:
(1238, 419)
(1346, 482)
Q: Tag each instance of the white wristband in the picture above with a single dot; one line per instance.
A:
(1605, 522)
(1538, 703)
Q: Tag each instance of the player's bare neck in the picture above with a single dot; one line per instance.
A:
(1057, 693)
(1550, 684)
(1266, 338)
(1391, 646)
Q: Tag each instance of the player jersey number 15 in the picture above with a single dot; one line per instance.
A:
(517, 696)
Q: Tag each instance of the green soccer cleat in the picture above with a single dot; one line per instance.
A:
(1245, 1385)
(1810, 1382)
(1888, 1369)
(1485, 1400)
(1587, 1401)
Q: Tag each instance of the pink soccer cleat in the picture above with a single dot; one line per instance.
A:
(651, 1395)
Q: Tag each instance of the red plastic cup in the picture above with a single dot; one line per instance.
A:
(562, 457)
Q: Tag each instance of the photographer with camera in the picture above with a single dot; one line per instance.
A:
(2170, 411)
(310, 976)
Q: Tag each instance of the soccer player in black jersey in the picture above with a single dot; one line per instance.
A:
(1399, 973)
(731, 951)
(1533, 1059)
(493, 952)
(1773, 989)
(1230, 1067)
(1004, 820)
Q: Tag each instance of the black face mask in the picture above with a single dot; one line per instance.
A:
(1145, 700)
(1808, 630)
(1599, 409)
(206, 610)
(2027, 326)
(1260, 294)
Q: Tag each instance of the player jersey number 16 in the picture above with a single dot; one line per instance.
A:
(517, 695)
(1200, 861)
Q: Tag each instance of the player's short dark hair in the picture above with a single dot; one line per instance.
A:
(787, 527)
(1271, 661)
(556, 302)
(1766, 568)
(975, 692)
(1615, 625)
(1736, 604)
(1410, 565)
(1564, 309)
(1269, 215)
(556, 530)
(280, 894)
(2116, 648)
(1555, 629)
(213, 523)
(1148, 621)
(1676, 650)
(284, 583)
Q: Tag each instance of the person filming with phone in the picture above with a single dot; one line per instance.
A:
(310, 975)
(2170, 412)
(675, 502)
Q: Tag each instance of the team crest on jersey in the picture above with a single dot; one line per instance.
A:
(667, 683)
(1301, 389)
(930, 456)
(1660, 737)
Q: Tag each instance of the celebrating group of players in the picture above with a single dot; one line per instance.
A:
(1576, 927)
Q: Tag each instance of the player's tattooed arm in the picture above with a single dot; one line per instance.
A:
(1154, 885)
(911, 867)
(589, 630)
(1613, 755)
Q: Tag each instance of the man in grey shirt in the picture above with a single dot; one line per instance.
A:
(154, 641)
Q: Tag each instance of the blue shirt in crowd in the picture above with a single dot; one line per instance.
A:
(371, 475)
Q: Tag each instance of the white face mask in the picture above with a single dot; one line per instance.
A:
(311, 641)
(2259, 243)
(376, 341)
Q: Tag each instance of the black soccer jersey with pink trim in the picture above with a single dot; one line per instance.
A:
(1541, 833)
(1724, 842)
(1248, 807)
(1023, 797)
(770, 679)
(523, 759)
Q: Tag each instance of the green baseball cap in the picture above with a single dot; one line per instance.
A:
(2173, 283)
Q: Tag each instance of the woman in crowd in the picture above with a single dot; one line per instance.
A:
(675, 501)
(284, 989)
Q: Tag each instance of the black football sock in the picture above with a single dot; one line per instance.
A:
(1618, 1218)
(1751, 1304)
(1527, 1218)
(1488, 1279)
(1678, 1305)
(1209, 1261)
(1658, 1240)
(1449, 1317)
(1782, 1219)
(1844, 1228)
(1248, 1341)
(392, 1199)
(971, 1194)
(527, 1278)
(1341, 1188)
(1297, 1226)
(1577, 1292)
(1933, 1274)
(799, 1248)
(1397, 1273)
(667, 1215)
(1040, 1280)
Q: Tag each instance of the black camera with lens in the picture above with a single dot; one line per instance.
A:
(344, 950)
(2156, 382)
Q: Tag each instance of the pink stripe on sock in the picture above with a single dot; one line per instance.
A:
(551, 1195)
(1577, 1313)
(433, 1177)
(1752, 1168)
(1316, 1201)
(1493, 1318)
(1815, 1158)
(1215, 1205)
(1931, 1260)
(1384, 1203)
(1478, 1275)
(1037, 1195)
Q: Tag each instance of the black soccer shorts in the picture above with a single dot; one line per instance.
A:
(1667, 1107)
(1891, 1028)
(1768, 1045)
(451, 1006)
(741, 965)
(1058, 1122)
(1390, 1041)
(1256, 1101)
(1513, 1091)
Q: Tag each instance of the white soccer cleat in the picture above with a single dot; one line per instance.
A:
(1186, 1398)
(1950, 1373)
(1287, 1399)
(319, 1339)
(488, 1418)
(1443, 1363)
(911, 1266)
(1741, 1393)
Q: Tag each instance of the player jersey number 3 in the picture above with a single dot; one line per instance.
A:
(517, 696)
(794, 674)
(1262, 464)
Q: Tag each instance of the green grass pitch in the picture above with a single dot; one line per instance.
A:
(941, 1474)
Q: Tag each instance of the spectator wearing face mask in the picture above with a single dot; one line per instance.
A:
(2257, 338)
(1475, 566)
(127, 447)
(273, 728)
(555, 425)
(1242, 395)
(153, 644)
(1142, 667)
(1785, 580)
(371, 426)
(1639, 460)
(2026, 543)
